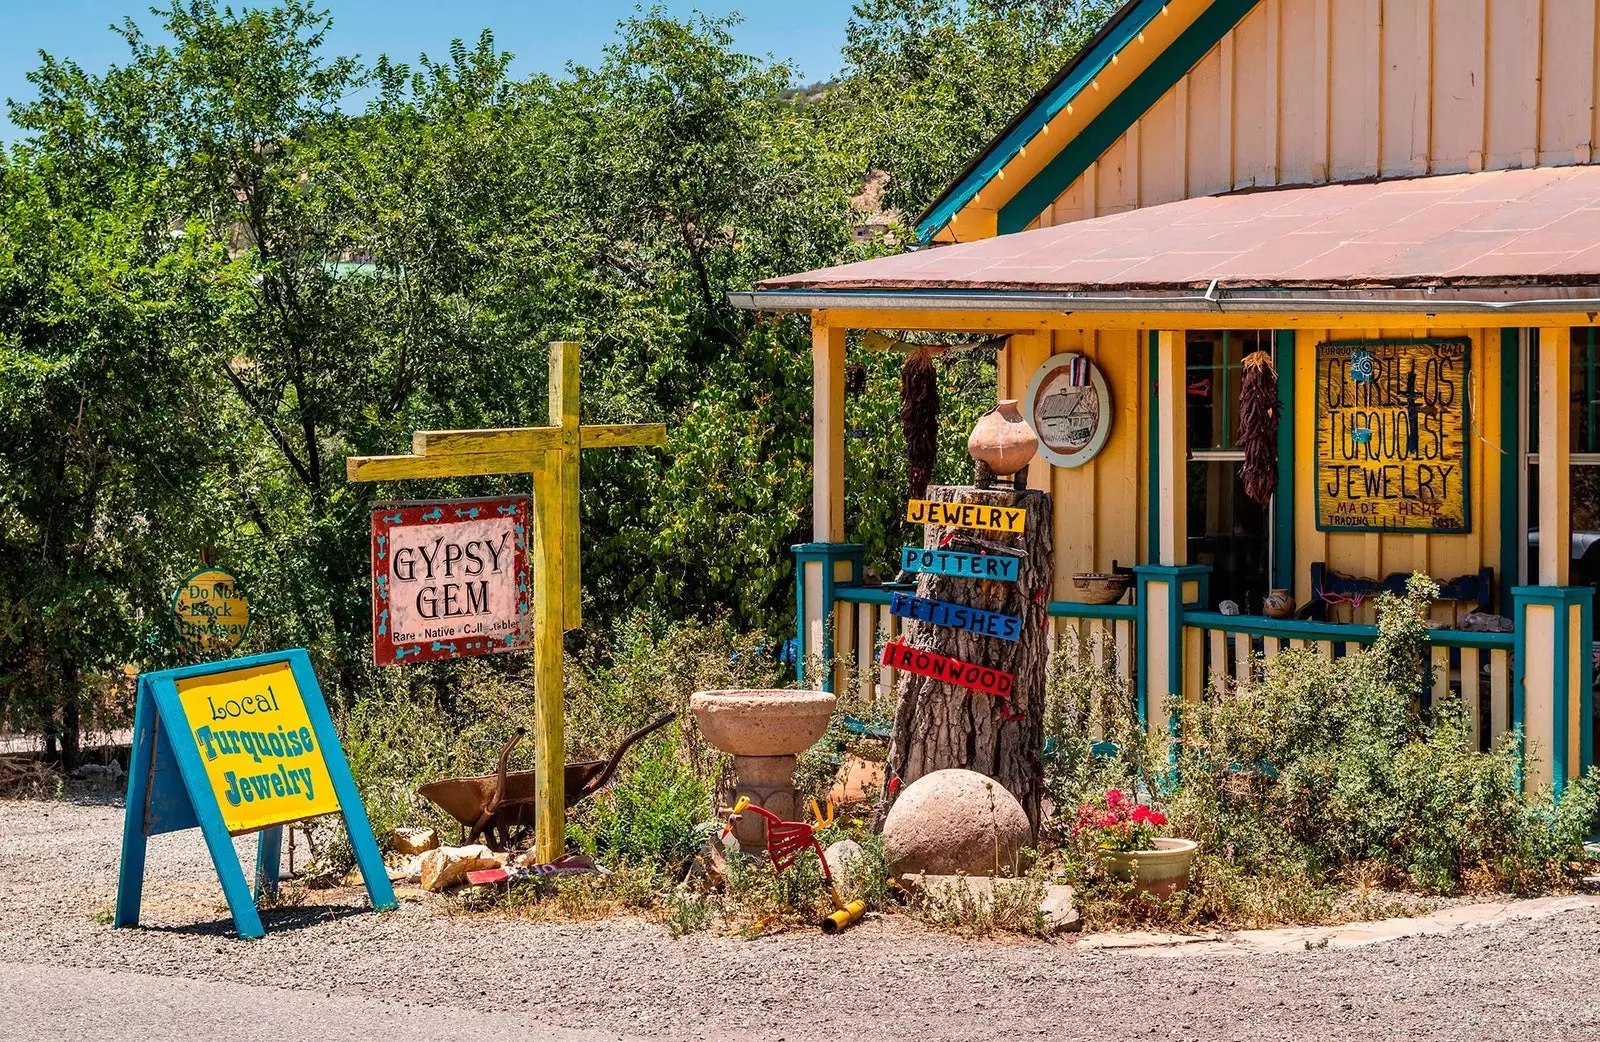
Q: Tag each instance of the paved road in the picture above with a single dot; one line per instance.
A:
(329, 969)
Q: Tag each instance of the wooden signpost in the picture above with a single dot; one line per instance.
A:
(550, 455)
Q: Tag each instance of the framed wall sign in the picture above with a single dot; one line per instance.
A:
(449, 579)
(1069, 407)
(1392, 447)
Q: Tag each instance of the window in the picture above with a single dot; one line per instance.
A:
(1584, 459)
(1227, 529)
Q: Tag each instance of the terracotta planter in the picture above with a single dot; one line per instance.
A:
(1278, 605)
(1002, 440)
(1161, 872)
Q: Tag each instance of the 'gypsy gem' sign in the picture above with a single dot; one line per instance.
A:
(1392, 451)
(897, 654)
(449, 579)
(966, 515)
(956, 616)
(1000, 567)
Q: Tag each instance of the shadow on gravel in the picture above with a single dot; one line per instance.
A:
(274, 919)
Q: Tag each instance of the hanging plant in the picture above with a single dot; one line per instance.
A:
(1258, 427)
(919, 418)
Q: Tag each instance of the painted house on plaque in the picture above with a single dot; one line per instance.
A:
(1393, 201)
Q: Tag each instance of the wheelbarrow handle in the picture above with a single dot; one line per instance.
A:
(611, 768)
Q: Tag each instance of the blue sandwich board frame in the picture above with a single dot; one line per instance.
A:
(168, 791)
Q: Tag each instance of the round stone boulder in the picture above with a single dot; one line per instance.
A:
(955, 821)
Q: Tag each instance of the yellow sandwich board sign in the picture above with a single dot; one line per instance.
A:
(1392, 446)
(237, 747)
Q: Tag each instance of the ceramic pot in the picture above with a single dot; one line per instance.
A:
(1278, 605)
(1003, 440)
(1161, 872)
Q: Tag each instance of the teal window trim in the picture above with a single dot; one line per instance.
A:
(1078, 74)
(1170, 66)
(1510, 465)
(1283, 560)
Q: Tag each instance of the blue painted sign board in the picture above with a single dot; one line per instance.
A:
(999, 567)
(231, 748)
(956, 616)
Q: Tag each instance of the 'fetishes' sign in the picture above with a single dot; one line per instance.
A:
(449, 579)
(999, 567)
(259, 748)
(1391, 436)
(966, 515)
(897, 654)
(956, 616)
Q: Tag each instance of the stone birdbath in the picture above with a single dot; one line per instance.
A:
(764, 730)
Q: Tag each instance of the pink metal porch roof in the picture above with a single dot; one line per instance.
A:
(1506, 227)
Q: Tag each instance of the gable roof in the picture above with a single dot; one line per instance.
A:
(1211, 21)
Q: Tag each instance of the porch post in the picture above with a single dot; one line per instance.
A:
(1172, 447)
(1553, 673)
(815, 566)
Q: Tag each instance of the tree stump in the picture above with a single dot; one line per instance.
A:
(938, 724)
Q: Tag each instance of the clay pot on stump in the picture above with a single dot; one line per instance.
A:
(1278, 605)
(1001, 444)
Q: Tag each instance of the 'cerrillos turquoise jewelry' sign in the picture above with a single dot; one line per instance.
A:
(956, 616)
(232, 748)
(999, 567)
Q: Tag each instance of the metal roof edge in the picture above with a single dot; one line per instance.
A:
(1122, 28)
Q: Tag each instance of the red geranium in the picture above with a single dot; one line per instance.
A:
(1120, 825)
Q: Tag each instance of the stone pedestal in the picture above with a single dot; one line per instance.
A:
(764, 730)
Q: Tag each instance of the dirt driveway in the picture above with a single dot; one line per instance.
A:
(333, 972)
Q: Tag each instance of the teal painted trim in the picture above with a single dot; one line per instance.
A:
(864, 594)
(1562, 599)
(1283, 501)
(1153, 489)
(1075, 610)
(1175, 576)
(1338, 633)
(130, 875)
(1077, 76)
(269, 855)
(1510, 465)
(1122, 112)
(825, 554)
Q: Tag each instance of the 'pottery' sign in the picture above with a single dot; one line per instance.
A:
(956, 616)
(999, 567)
(897, 654)
(1391, 436)
(449, 579)
(966, 515)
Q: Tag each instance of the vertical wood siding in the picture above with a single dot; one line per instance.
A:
(1304, 91)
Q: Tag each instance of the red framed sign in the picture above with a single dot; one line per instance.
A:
(449, 579)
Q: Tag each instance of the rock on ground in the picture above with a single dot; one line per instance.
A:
(955, 821)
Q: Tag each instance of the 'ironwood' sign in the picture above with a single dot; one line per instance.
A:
(999, 567)
(956, 616)
(1391, 435)
(449, 579)
(897, 654)
(966, 515)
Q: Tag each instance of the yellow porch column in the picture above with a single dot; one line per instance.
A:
(1555, 439)
(818, 566)
(1171, 448)
(1553, 664)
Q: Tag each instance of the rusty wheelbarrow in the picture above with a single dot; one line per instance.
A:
(499, 806)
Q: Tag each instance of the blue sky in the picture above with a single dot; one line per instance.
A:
(543, 35)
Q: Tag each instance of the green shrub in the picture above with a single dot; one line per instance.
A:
(657, 815)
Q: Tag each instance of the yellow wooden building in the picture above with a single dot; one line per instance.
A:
(1397, 199)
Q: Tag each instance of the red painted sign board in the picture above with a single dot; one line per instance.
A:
(897, 654)
(449, 579)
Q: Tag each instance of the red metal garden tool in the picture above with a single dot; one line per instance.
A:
(787, 840)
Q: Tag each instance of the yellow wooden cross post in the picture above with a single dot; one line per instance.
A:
(550, 454)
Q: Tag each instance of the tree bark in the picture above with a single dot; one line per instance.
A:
(939, 725)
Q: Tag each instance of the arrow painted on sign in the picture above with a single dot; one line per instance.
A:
(383, 622)
(473, 513)
(444, 647)
(433, 515)
(382, 539)
(415, 649)
(509, 511)
(391, 519)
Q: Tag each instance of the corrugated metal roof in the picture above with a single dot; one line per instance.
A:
(1522, 227)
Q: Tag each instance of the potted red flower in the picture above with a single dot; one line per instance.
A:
(1125, 836)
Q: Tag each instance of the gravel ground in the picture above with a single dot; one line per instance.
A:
(335, 967)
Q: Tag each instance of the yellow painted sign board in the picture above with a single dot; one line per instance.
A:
(1392, 445)
(258, 745)
(210, 612)
(966, 515)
